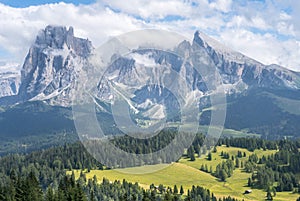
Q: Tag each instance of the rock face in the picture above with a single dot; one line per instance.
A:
(238, 72)
(9, 84)
(58, 59)
(237, 69)
(52, 65)
(9, 79)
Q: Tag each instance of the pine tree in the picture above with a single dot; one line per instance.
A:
(209, 156)
(249, 182)
(237, 163)
(92, 196)
(33, 189)
(175, 190)
(20, 189)
(160, 188)
(223, 175)
(191, 153)
(49, 195)
(239, 154)
(80, 195)
(181, 190)
(11, 192)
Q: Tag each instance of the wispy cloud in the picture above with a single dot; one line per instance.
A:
(268, 31)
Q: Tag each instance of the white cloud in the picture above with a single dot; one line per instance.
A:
(268, 32)
(221, 5)
(154, 9)
(285, 28)
(19, 26)
(284, 16)
(264, 47)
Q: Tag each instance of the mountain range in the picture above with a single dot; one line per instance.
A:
(262, 99)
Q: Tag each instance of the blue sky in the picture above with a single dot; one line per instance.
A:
(268, 30)
(26, 3)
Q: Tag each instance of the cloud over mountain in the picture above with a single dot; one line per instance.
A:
(265, 30)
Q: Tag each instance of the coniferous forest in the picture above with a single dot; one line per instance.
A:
(41, 175)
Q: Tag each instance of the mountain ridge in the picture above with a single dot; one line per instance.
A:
(56, 47)
(57, 59)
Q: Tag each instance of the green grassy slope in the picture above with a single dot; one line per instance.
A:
(187, 173)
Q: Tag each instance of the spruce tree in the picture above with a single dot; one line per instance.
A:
(237, 163)
(181, 190)
(223, 175)
(175, 190)
(209, 156)
(191, 153)
(33, 189)
(80, 195)
(49, 195)
(249, 182)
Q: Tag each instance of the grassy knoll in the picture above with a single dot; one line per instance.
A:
(187, 173)
(216, 158)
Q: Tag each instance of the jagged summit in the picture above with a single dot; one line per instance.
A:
(57, 37)
(240, 72)
(52, 63)
(213, 45)
(57, 57)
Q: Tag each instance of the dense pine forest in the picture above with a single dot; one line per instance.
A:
(41, 175)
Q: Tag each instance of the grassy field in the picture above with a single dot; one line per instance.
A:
(216, 158)
(187, 173)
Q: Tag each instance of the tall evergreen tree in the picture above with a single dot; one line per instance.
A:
(181, 190)
(209, 156)
(175, 190)
(33, 189)
(49, 195)
(223, 175)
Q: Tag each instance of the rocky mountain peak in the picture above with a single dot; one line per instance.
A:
(57, 57)
(57, 37)
(240, 72)
(197, 39)
(53, 62)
